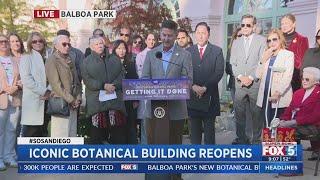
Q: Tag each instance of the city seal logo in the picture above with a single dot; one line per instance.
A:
(159, 112)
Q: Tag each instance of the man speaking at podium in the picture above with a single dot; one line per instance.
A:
(168, 61)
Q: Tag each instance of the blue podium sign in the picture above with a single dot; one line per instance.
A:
(155, 89)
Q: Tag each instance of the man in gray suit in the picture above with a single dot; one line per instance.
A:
(155, 68)
(245, 55)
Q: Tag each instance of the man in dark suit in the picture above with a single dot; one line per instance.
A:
(154, 68)
(208, 68)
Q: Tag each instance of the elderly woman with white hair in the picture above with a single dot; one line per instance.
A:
(102, 75)
(304, 109)
(62, 76)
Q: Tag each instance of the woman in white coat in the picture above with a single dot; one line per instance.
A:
(35, 92)
(278, 63)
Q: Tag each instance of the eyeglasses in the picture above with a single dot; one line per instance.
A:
(137, 42)
(66, 44)
(317, 37)
(248, 25)
(305, 79)
(37, 41)
(273, 39)
(121, 34)
(3, 41)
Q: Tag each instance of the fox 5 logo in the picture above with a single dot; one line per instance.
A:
(279, 150)
(129, 167)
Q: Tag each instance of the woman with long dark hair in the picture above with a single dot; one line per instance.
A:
(120, 52)
(16, 47)
(16, 51)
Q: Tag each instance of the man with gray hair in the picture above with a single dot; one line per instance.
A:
(75, 53)
(303, 111)
(244, 58)
(63, 78)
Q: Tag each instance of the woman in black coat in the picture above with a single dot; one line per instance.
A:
(120, 51)
(102, 73)
(312, 56)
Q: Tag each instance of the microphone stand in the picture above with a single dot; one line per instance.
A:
(182, 66)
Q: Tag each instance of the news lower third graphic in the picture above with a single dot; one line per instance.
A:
(70, 155)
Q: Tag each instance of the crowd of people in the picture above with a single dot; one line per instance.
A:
(265, 76)
(271, 77)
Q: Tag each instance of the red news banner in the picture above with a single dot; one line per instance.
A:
(49, 14)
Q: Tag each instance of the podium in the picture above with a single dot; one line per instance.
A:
(160, 92)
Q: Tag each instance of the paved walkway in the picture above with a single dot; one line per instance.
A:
(223, 137)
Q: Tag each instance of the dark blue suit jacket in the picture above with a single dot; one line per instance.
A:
(207, 72)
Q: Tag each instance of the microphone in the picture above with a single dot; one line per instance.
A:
(159, 57)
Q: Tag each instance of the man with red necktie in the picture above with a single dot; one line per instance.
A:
(208, 67)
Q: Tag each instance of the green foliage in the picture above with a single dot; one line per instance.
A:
(185, 23)
(84, 124)
(17, 16)
(142, 16)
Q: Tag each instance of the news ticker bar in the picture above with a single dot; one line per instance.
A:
(159, 153)
(222, 167)
(50, 140)
(74, 14)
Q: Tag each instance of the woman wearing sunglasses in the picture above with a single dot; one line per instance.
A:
(136, 45)
(35, 92)
(275, 72)
(296, 43)
(312, 56)
(303, 111)
(10, 101)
